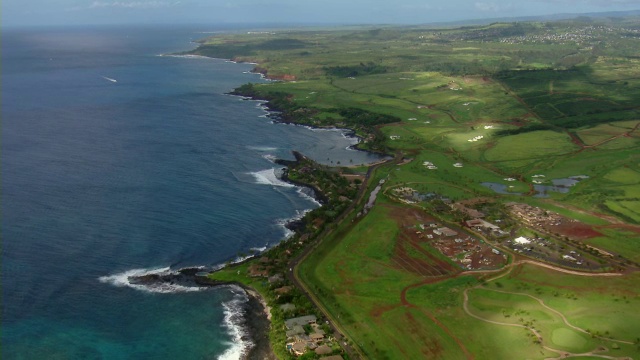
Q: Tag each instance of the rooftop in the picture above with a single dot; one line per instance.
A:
(302, 320)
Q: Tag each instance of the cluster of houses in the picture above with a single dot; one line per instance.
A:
(486, 227)
(436, 229)
(581, 36)
(534, 216)
(304, 334)
(465, 250)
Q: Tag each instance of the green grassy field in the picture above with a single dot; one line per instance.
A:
(507, 100)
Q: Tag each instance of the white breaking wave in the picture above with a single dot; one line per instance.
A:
(122, 280)
(271, 158)
(186, 56)
(303, 193)
(269, 177)
(333, 129)
(283, 222)
(110, 79)
(262, 148)
(255, 251)
(233, 320)
(240, 259)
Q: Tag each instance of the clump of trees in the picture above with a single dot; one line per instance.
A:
(370, 68)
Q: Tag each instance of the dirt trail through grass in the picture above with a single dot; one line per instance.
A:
(536, 333)
(405, 302)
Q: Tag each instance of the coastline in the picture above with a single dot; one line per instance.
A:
(257, 314)
(258, 323)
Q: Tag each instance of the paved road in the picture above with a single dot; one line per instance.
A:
(353, 352)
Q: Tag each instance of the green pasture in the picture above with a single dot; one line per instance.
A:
(444, 299)
(459, 182)
(597, 134)
(445, 86)
(578, 97)
(614, 178)
(353, 276)
(537, 145)
(518, 309)
(592, 163)
(628, 208)
(603, 306)
(580, 216)
(621, 143)
(596, 303)
(618, 241)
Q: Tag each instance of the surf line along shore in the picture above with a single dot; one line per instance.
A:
(253, 316)
(255, 313)
(255, 319)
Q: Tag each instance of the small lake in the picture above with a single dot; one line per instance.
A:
(557, 185)
(562, 186)
(500, 188)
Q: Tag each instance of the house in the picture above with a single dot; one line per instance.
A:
(283, 290)
(287, 307)
(299, 348)
(275, 278)
(482, 224)
(323, 350)
(317, 336)
(500, 233)
(473, 213)
(295, 331)
(473, 223)
(302, 320)
(256, 270)
(303, 338)
(333, 357)
(446, 231)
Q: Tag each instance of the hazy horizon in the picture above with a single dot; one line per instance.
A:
(290, 12)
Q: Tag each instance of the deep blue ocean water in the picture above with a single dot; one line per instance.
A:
(158, 169)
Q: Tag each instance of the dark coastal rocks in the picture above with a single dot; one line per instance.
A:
(299, 158)
(255, 319)
(257, 325)
(185, 277)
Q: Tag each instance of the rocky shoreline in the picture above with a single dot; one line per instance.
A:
(256, 312)
(257, 315)
(258, 323)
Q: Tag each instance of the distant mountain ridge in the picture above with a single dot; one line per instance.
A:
(552, 17)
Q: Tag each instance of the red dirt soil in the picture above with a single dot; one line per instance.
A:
(574, 230)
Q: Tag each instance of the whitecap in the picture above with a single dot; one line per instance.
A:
(269, 157)
(258, 249)
(122, 280)
(186, 56)
(240, 259)
(262, 148)
(269, 177)
(234, 322)
(307, 194)
(283, 222)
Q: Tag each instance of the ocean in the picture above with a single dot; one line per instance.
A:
(118, 161)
